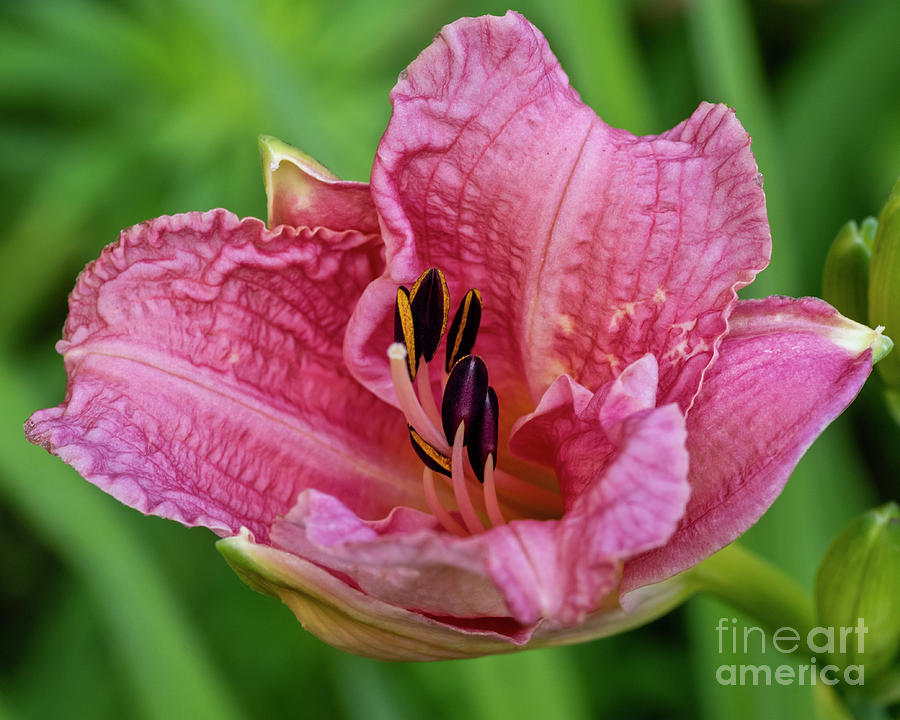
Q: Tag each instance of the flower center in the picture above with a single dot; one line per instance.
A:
(468, 418)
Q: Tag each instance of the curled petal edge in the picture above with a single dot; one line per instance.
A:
(301, 192)
(354, 622)
(787, 368)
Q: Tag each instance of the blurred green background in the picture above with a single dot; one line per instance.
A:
(113, 112)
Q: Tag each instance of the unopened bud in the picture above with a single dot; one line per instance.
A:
(845, 282)
(884, 283)
(857, 588)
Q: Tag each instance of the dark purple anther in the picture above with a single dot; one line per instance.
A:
(483, 438)
(464, 396)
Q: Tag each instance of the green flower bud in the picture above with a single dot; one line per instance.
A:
(857, 588)
(845, 282)
(884, 282)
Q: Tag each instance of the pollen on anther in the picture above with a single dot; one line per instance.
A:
(428, 454)
(404, 330)
(429, 304)
(464, 329)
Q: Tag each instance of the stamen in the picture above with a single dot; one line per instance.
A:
(463, 501)
(428, 455)
(473, 489)
(490, 494)
(404, 330)
(464, 396)
(430, 306)
(482, 440)
(464, 329)
(467, 413)
(426, 396)
(409, 403)
(437, 509)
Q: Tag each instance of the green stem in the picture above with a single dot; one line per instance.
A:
(750, 584)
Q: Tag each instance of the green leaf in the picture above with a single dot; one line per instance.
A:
(167, 669)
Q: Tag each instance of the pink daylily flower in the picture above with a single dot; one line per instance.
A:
(234, 375)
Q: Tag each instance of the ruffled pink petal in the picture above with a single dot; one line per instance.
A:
(643, 491)
(370, 332)
(351, 620)
(535, 437)
(631, 501)
(568, 409)
(634, 390)
(591, 246)
(205, 376)
(634, 490)
(786, 369)
(402, 561)
(546, 571)
(304, 193)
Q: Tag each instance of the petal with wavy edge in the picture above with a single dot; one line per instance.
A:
(634, 491)
(536, 437)
(591, 246)
(402, 560)
(634, 390)
(302, 192)
(347, 618)
(205, 381)
(785, 370)
(353, 621)
(568, 408)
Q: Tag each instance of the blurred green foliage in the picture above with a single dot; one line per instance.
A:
(113, 112)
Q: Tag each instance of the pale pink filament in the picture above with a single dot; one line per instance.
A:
(460, 491)
(472, 485)
(490, 494)
(409, 403)
(426, 395)
(437, 509)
